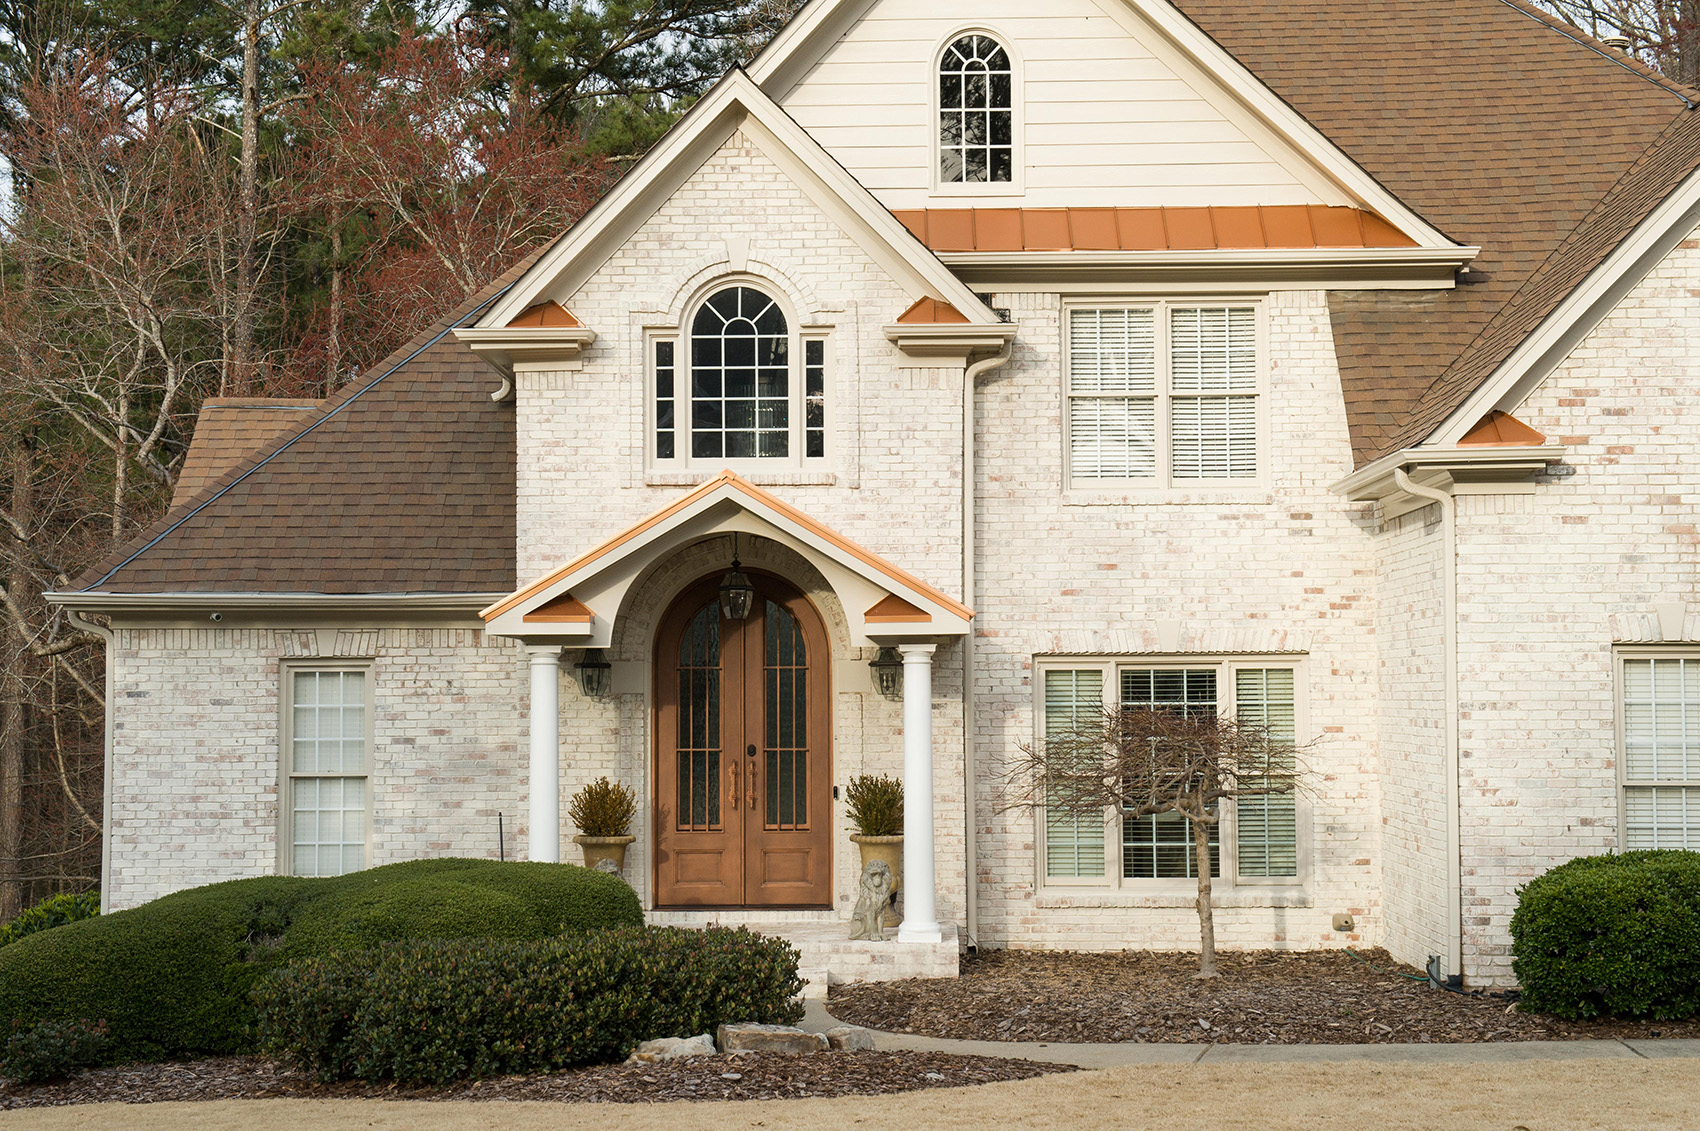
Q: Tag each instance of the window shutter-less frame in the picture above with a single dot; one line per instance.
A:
(1213, 386)
(327, 780)
(1267, 825)
(1661, 753)
(1074, 841)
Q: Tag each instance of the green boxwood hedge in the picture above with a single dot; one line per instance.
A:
(1611, 936)
(54, 911)
(173, 977)
(435, 1011)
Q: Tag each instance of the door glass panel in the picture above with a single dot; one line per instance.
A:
(787, 669)
(699, 721)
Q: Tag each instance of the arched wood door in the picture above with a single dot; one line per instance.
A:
(743, 752)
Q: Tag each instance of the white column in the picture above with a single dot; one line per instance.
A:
(545, 835)
(920, 883)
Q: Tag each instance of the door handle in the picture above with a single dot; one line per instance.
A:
(750, 777)
(734, 762)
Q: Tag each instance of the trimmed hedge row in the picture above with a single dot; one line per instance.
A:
(1611, 936)
(173, 977)
(54, 911)
(446, 1010)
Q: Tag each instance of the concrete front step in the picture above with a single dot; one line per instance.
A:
(829, 956)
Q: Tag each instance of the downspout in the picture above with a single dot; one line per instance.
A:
(970, 808)
(1454, 956)
(106, 790)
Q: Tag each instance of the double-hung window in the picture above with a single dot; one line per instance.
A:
(1258, 839)
(1661, 750)
(326, 763)
(1163, 393)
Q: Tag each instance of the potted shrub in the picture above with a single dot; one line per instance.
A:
(603, 813)
(875, 806)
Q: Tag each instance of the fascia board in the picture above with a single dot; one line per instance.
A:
(1399, 268)
(1580, 313)
(1287, 123)
(115, 603)
(735, 101)
(787, 57)
(1375, 480)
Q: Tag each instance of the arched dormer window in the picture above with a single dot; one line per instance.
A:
(976, 112)
(729, 390)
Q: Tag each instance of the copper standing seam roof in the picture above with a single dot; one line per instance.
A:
(1499, 130)
(546, 314)
(932, 312)
(231, 429)
(1149, 229)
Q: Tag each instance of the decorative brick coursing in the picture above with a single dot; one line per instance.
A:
(195, 762)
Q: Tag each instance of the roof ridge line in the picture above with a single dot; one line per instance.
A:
(291, 442)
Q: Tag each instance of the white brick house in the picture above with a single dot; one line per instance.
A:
(1307, 361)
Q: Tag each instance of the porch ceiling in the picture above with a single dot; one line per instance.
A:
(579, 603)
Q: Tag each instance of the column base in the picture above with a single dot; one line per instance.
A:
(919, 932)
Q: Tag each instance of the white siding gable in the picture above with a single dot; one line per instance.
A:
(1102, 117)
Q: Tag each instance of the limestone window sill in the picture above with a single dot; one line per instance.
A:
(1167, 497)
(791, 478)
(1241, 897)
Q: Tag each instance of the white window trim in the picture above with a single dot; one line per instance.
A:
(1164, 486)
(1619, 691)
(287, 670)
(800, 333)
(1017, 184)
(1226, 666)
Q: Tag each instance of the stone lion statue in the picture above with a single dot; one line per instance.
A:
(868, 921)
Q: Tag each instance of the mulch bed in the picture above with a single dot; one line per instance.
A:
(743, 1076)
(1262, 997)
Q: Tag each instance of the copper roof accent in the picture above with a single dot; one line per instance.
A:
(229, 429)
(892, 609)
(548, 313)
(931, 311)
(565, 609)
(1501, 430)
(1497, 129)
(1240, 228)
(403, 483)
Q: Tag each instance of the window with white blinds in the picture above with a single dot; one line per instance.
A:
(1661, 752)
(326, 771)
(1258, 840)
(1074, 840)
(1162, 393)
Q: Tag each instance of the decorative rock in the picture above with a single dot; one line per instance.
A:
(849, 1038)
(672, 1048)
(749, 1037)
(608, 866)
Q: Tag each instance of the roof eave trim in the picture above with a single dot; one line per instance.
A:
(948, 339)
(1581, 312)
(256, 601)
(1432, 268)
(506, 346)
(1375, 481)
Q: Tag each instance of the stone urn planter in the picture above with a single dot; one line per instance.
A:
(603, 812)
(600, 848)
(890, 850)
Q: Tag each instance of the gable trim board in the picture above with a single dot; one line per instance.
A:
(603, 576)
(1288, 137)
(1579, 313)
(734, 103)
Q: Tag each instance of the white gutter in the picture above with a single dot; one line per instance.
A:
(1375, 480)
(106, 791)
(1449, 664)
(1425, 267)
(198, 602)
(970, 766)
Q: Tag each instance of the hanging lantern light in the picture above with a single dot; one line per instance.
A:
(887, 667)
(594, 673)
(736, 592)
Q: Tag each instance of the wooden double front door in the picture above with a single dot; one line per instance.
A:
(743, 755)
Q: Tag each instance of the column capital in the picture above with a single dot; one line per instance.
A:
(917, 653)
(544, 653)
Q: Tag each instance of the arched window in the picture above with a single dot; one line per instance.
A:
(976, 112)
(740, 377)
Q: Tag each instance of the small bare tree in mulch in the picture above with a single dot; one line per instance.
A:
(1145, 762)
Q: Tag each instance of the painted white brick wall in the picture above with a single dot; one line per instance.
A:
(1610, 534)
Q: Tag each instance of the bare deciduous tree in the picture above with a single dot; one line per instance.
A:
(1664, 34)
(1145, 762)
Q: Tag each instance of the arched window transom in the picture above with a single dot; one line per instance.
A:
(976, 112)
(740, 377)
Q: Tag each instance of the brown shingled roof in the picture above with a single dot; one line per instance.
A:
(231, 429)
(404, 483)
(1501, 132)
